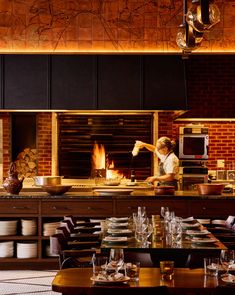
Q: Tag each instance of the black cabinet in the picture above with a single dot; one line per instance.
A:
(73, 82)
(92, 82)
(119, 82)
(25, 82)
(164, 82)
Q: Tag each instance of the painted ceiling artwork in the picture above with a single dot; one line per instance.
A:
(105, 26)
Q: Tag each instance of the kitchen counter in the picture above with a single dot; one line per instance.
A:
(137, 193)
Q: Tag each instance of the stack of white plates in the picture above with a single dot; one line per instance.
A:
(6, 249)
(28, 227)
(8, 227)
(49, 228)
(27, 249)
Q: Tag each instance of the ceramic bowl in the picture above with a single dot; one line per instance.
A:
(56, 189)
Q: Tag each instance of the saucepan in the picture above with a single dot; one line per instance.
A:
(47, 180)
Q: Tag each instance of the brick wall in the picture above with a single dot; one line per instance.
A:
(43, 143)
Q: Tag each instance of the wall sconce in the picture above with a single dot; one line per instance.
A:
(202, 16)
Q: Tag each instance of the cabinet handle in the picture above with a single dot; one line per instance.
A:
(60, 208)
(203, 208)
(20, 207)
(89, 208)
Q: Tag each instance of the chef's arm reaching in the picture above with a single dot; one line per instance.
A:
(148, 146)
(162, 178)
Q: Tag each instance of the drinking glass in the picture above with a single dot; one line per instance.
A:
(227, 258)
(163, 211)
(116, 258)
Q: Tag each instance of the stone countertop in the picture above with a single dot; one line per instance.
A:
(136, 194)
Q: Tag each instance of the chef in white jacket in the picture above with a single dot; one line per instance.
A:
(168, 168)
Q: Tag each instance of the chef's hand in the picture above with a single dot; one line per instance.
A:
(151, 179)
(140, 144)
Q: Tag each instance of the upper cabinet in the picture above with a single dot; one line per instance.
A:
(25, 82)
(164, 82)
(73, 82)
(92, 82)
(119, 82)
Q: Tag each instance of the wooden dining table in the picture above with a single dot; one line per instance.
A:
(77, 281)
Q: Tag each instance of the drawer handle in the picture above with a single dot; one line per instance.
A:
(20, 207)
(60, 208)
(203, 208)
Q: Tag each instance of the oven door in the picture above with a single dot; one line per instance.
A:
(193, 146)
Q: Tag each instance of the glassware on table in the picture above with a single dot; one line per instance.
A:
(116, 259)
(227, 258)
(167, 269)
(163, 211)
(100, 264)
(133, 270)
(211, 266)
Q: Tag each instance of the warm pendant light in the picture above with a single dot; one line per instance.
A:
(187, 38)
(203, 15)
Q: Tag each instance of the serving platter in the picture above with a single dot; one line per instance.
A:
(110, 282)
(229, 279)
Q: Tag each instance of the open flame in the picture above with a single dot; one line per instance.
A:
(99, 161)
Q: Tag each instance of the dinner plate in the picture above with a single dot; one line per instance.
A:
(115, 239)
(119, 219)
(197, 232)
(113, 192)
(203, 241)
(190, 225)
(100, 281)
(188, 219)
(117, 225)
(229, 279)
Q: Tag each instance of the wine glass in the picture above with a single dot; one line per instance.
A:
(227, 258)
(116, 258)
(164, 210)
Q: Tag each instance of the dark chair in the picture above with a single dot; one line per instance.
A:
(115, 290)
(70, 255)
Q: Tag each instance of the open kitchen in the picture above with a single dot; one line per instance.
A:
(70, 118)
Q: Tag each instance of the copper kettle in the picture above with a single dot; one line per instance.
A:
(12, 184)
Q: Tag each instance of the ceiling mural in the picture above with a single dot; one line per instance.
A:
(105, 26)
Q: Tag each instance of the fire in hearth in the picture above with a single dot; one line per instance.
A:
(101, 165)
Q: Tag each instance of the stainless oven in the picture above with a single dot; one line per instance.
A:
(193, 143)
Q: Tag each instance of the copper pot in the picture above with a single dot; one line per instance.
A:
(164, 190)
(210, 188)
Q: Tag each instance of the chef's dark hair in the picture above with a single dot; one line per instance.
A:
(166, 142)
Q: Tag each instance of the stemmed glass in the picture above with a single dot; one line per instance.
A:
(164, 210)
(116, 258)
(227, 258)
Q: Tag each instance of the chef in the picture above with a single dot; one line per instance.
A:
(168, 168)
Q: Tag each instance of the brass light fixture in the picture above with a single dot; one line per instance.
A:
(203, 15)
(200, 18)
(187, 38)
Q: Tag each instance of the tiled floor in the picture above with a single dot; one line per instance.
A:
(26, 282)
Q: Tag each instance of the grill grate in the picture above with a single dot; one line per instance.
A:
(118, 133)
